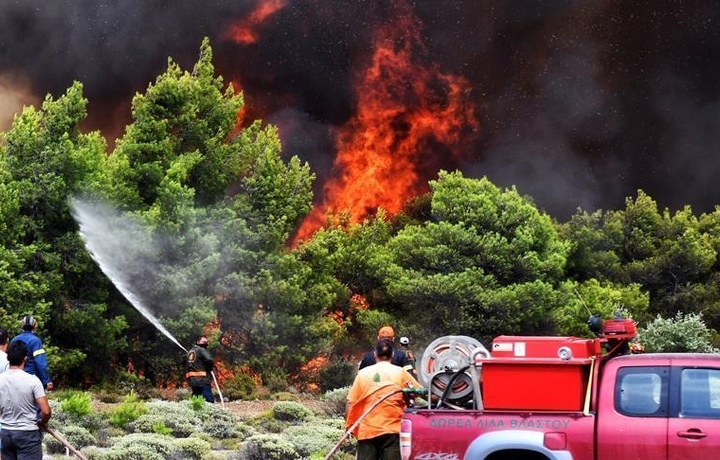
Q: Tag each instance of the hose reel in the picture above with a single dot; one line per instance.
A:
(447, 368)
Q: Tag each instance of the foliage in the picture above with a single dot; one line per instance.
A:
(335, 401)
(681, 333)
(291, 411)
(269, 447)
(192, 448)
(77, 403)
(197, 402)
(128, 411)
(77, 436)
(338, 373)
(312, 439)
(139, 445)
(485, 265)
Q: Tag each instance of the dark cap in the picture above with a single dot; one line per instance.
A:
(384, 348)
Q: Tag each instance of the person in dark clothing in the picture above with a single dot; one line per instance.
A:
(37, 360)
(199, 368)
(398, 358)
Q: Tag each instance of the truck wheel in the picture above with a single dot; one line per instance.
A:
(516, 454)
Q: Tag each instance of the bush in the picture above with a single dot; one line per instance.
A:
(334, 401)
(312, 439)
(76, 403)
(140, 446)
(192, 448)
(77, 436)
(338, 373)
(683, 333)
(269, 447)
(291, 411)
(240, 386)
(128, 411)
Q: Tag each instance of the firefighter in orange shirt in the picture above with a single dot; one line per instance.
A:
(378, 434)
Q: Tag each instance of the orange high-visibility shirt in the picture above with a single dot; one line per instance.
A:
(372, 383)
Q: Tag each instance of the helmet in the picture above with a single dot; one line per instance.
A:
(28, 322)
(404, 341)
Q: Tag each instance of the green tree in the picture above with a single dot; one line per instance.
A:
(218, 207)
(486, 265)
(44, 267)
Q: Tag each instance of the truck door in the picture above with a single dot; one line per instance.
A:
(632, 419)
(695, 432)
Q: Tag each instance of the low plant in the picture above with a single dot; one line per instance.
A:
(269, 447)
(128, 411)
(77, 436)
(139, 446)
(77, 403)
(334, 401)
(291, 411)
(309, 439)
(192, 448)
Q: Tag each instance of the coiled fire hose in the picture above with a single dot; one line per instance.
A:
(349, 431)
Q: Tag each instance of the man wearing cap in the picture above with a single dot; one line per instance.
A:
(199, 367)
(375, 405)
(37, 360)
(399, 358)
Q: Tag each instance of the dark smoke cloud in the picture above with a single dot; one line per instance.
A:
(580, 103)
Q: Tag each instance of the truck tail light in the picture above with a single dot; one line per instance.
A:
(405, 439)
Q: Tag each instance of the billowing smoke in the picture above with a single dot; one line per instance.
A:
(578, 103)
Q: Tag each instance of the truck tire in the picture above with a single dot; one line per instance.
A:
(516, 454)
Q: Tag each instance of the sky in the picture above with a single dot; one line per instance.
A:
(576, 103)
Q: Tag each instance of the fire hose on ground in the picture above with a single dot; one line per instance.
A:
(349, 431)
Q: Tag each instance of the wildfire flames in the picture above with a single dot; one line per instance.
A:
(407, 112)
(244, 32)
(403, 110)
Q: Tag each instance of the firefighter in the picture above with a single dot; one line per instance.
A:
(199, 367)
(405, 348)
(399, 358)
(37, 360)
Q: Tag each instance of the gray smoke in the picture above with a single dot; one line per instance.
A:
(579, 103)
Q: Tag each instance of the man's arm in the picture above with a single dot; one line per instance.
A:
(45, 411)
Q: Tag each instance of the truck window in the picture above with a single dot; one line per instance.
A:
(700, 393)
(641, 391)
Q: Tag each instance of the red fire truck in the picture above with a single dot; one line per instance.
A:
(539, 398)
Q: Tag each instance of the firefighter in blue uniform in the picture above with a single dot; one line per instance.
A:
(37, 360)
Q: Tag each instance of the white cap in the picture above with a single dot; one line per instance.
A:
(404, 341)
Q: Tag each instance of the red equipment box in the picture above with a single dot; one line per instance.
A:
(537, 373)
(510, 346)
(534, 383)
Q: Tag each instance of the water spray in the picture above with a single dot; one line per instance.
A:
(96, 230)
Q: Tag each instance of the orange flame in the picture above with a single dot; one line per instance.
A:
(244, 32)
(405, 111)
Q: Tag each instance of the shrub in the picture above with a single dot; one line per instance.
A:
(338, 373)
(311, 439)
(178, 418)
(77, 403)
(275, 379)
(220, 424)
(269, 447)
(128, 411)
(197, 402)
(192, 448)
(334, 401)
(141, 446)
(683, 333)
(240, 386)
(77, 436)
(291, 411)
